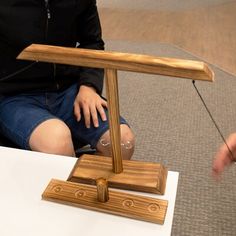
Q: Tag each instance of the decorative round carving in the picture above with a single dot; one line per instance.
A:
(80, 193)
(57, 189)
(153, 207)
(128, 203)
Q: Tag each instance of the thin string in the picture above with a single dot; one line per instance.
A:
(214, 122)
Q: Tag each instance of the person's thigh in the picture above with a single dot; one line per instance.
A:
(84, 135)
(19, 116)
(80, 133)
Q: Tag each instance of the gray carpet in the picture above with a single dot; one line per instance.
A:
(172, 127)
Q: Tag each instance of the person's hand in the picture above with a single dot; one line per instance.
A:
(224, 158)
(91, 104)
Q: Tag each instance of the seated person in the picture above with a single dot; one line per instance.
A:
(49, 107)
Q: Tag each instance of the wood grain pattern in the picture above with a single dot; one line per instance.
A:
(137, 175)
(120, 203)
(102, 190)
(114, 119)
(195, 70)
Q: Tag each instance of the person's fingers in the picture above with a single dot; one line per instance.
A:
(94, 115)
(87, 117)
(104, 103)
(77, 111)
(218, 167)
(91, 105)
(222, 160)
(101, 112)
(98, 109)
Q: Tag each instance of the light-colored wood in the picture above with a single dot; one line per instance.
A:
(149, 177)
(102, 190)
(120, 203)
(195, 70)
(114, 119)
(137, 175)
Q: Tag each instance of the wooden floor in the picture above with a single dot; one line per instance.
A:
(205, 31)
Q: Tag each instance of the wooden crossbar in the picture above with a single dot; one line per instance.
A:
(190, 69)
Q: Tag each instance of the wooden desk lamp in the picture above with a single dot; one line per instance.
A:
(115, 172)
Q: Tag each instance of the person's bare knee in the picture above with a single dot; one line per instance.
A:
(52, 136)
(127, 143)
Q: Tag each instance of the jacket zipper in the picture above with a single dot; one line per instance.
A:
(48, 17)
(46, 35)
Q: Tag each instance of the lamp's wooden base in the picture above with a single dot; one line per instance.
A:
(119, 203)
(136, 175)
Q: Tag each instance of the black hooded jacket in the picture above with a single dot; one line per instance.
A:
(70, 23)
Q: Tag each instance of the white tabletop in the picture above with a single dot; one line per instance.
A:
(24, 175)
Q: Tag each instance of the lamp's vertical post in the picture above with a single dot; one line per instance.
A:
(114, 119)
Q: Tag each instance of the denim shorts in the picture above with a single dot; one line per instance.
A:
(21, 114)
